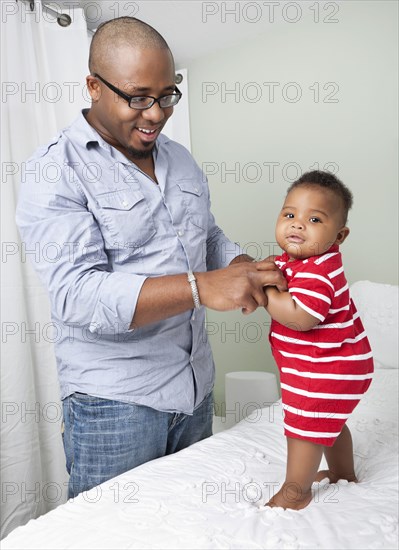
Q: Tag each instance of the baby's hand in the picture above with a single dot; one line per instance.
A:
(268, 264)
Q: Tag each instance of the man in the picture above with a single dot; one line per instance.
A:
(139, 254)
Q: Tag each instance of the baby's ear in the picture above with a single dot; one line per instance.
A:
(343, 233)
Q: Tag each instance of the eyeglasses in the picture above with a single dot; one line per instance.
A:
(145, 102)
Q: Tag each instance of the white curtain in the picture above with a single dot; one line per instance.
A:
(43, 75)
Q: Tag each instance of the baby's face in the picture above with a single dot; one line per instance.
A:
(310, 222)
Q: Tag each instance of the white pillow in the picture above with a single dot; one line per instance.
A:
(377, 304)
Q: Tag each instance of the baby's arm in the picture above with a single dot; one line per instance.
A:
(283, 309)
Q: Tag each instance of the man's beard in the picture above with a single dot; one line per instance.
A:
(136, 154)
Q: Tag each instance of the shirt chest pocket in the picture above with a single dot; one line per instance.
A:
(194, 201)
(126, 217)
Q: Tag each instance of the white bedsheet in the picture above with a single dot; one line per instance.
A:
(211, 495)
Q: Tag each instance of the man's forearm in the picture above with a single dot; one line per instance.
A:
(161, 298)
(240, 285)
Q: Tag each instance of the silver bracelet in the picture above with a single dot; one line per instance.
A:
(194, 290)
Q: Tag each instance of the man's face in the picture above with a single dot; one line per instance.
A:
(136, 72)
(310, 222)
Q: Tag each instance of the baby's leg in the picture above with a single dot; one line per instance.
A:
(339, 459)
(302, 463)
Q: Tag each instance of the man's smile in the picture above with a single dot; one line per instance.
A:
(148, 134)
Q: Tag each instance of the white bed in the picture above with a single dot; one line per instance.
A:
(211, 495)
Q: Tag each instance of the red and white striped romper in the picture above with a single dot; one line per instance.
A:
(323, 371)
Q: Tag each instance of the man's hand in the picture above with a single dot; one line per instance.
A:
(240, 285)
(264, 265)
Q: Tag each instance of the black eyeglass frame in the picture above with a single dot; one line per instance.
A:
(128, 98)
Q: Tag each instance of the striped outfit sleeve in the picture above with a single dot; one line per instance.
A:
(312, 290)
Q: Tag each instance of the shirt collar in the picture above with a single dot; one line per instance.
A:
(84, 133)
(334, 248)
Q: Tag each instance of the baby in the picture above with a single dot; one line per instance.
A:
(317, 338)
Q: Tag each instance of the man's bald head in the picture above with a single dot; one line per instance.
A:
(120, 33)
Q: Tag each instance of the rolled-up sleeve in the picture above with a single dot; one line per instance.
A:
(62, 237)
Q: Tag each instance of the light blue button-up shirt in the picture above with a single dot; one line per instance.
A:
(103, 226)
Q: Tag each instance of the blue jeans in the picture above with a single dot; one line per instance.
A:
(104, 438)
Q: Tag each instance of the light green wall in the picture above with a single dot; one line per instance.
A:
(358, 55)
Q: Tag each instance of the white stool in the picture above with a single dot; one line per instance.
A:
(246, 391)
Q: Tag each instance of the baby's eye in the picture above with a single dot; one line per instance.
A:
(314, 220)
(290, 216)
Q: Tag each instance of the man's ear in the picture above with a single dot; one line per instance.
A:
(93, 87)
(343, 233)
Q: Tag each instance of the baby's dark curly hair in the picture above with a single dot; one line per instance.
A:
(326, 180)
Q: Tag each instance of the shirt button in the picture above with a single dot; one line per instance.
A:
(196, 189)
(180, 232)
(191, 359)
(124, 203)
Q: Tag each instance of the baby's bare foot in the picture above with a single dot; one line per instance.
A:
(290, 497)
(333, 478)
